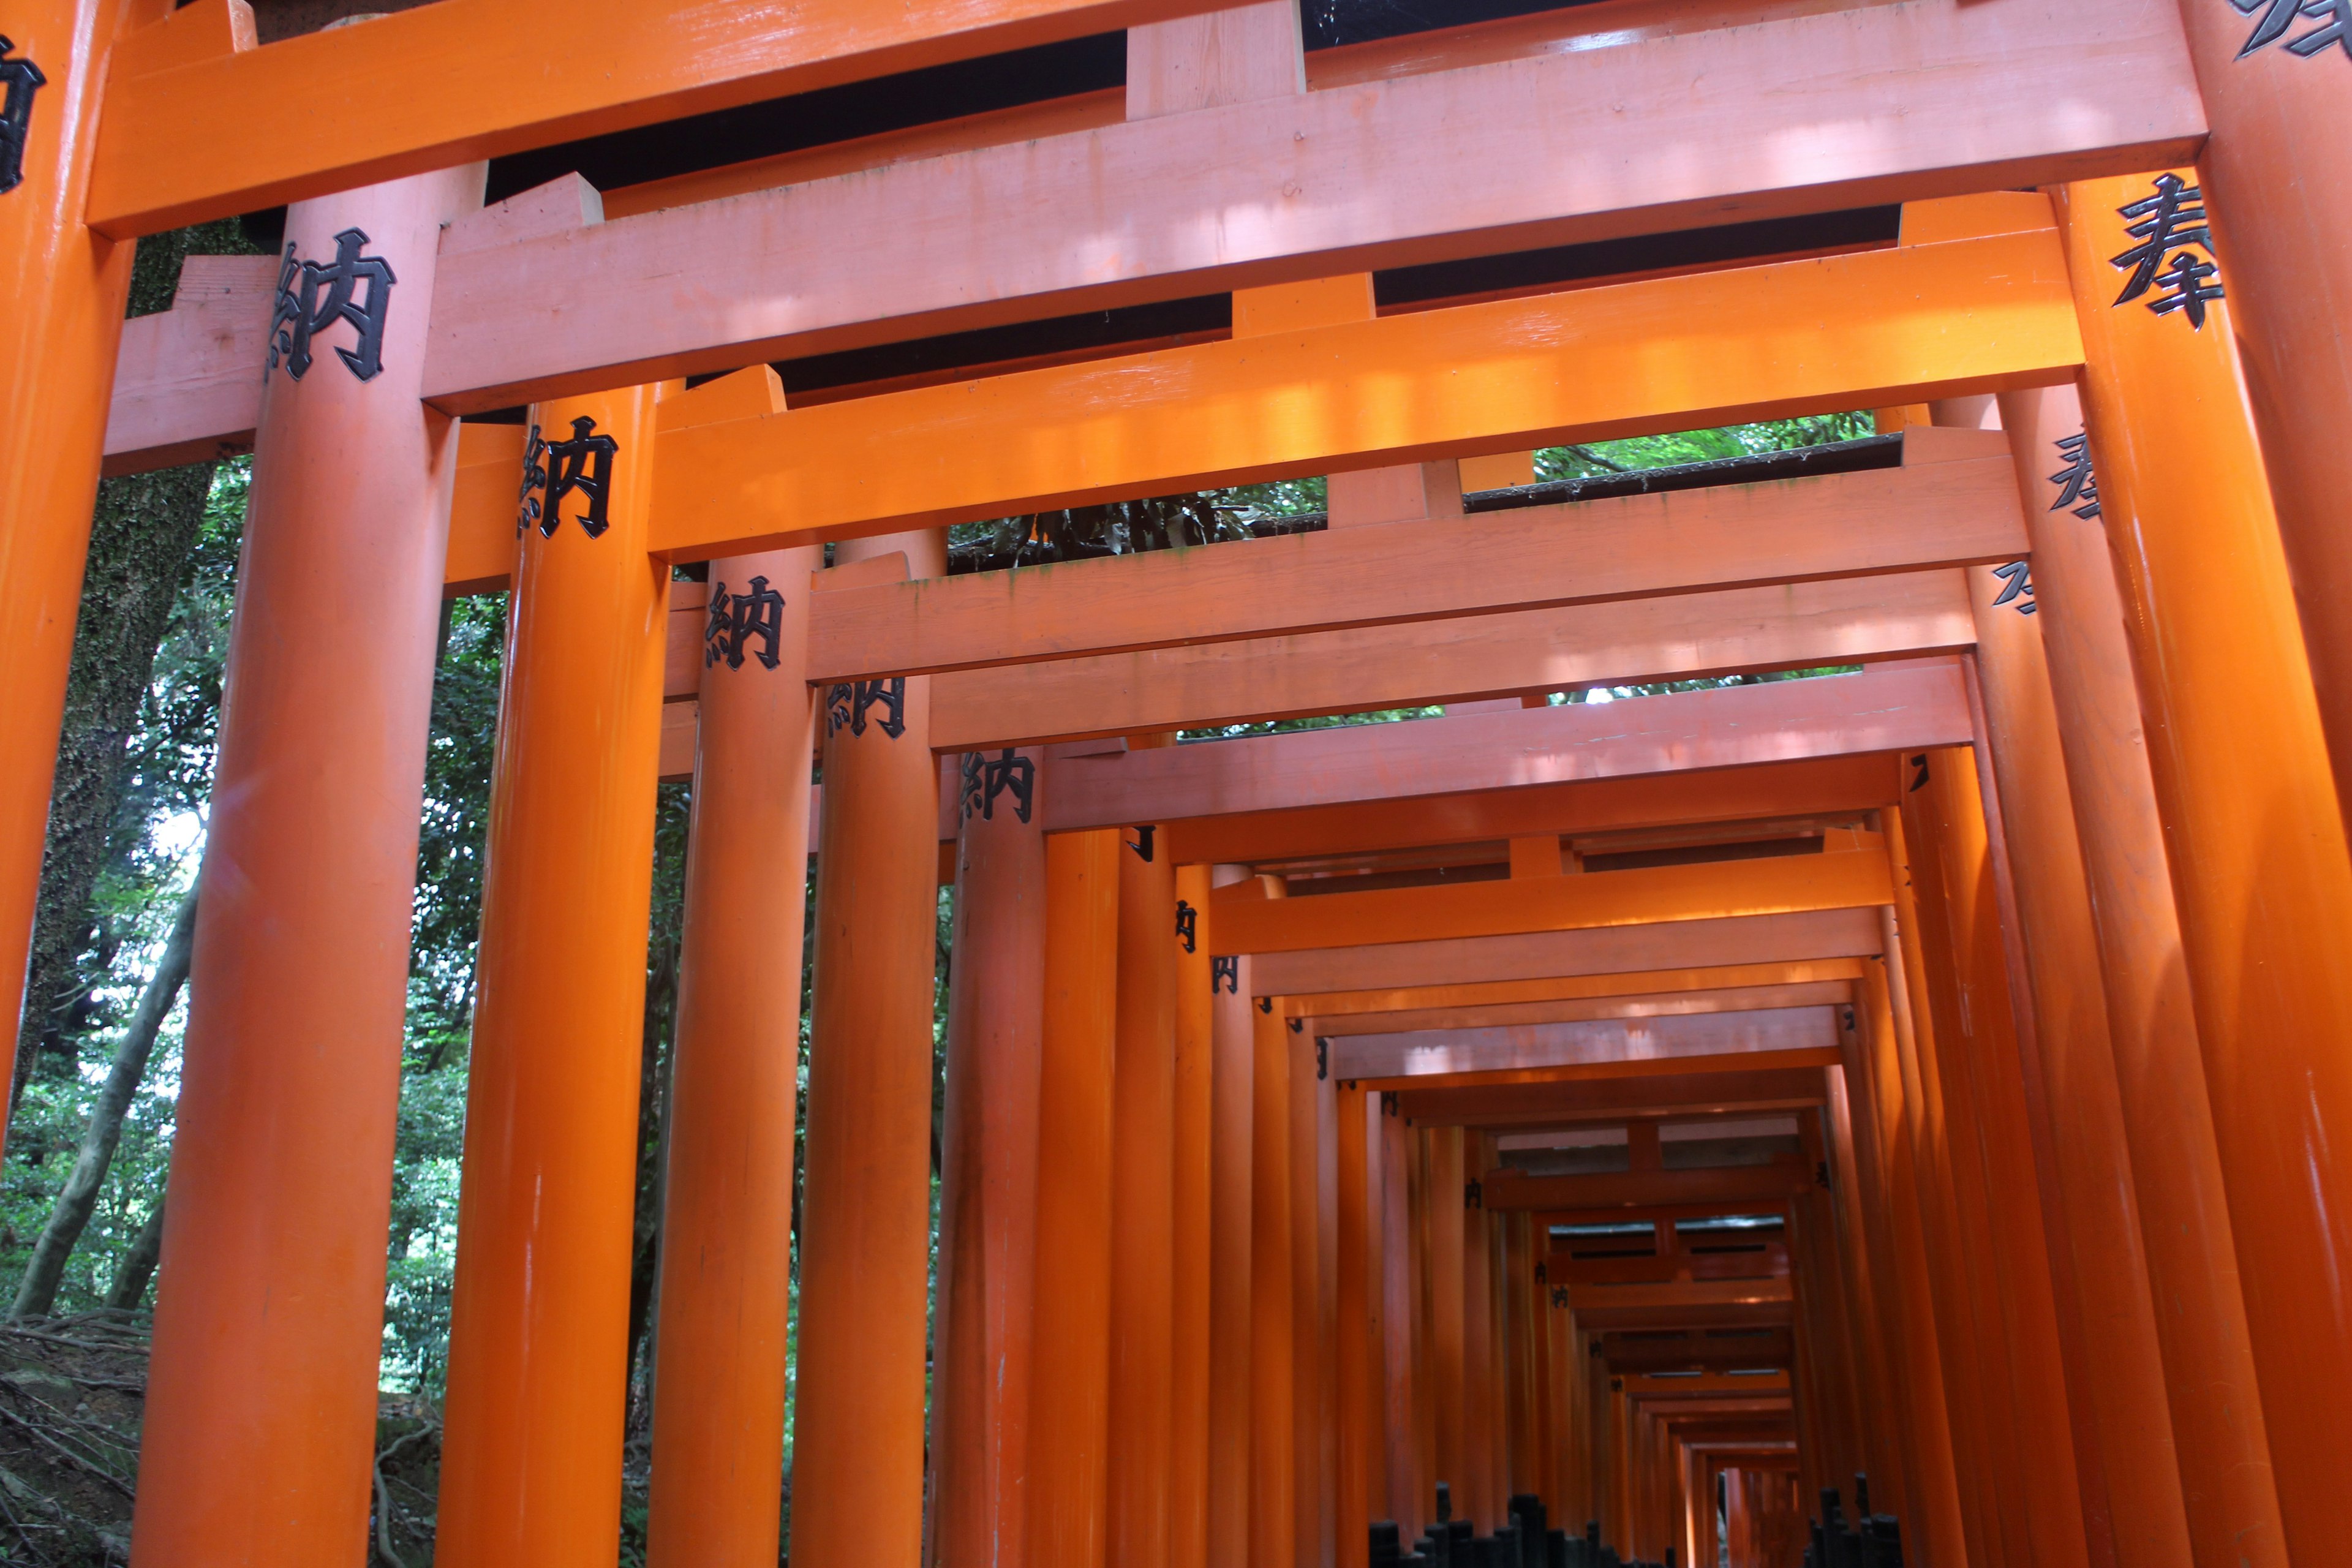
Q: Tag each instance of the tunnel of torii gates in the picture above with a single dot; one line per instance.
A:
(1653, 1114)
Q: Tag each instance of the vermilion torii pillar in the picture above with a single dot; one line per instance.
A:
(2217, 1410)
(865, 1200)
(65, 287)
(1191, 1198)
(726, 1192)
(260, 1424)
(538, 1329)
(2250, 817)
(988, 1183)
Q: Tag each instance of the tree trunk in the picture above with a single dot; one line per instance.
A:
(139, 1262)
(38, 1292)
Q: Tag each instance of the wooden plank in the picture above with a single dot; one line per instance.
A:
(1814, 1057)
(482, 511)
(1244, 921)
(1566, 1102)
(1444, 1052)
(1826, 785)
(1691, 1304)
(1874, 329)
(1912, 706)
(188, 381)
(1733, 1185)
(1846, 621)
(1934, 514)
(461, 79)
(1650, 1005)
(1707, 128)
(1617, 950)
(1333, 1007)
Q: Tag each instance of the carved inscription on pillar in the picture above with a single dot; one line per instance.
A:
(1919, 775)
(1188, 925)
(847, 704)
(1225, 974)
(738, 618)
(2275, 19)
(2018, 576)
(2078, 487)
(2174, 253)
(313, 297)
(18, 78)
(985, 778)
(1142, 845)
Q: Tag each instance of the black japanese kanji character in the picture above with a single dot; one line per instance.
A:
(985, 778)
(297, 314)
(1919, 780)
(2333, 16)
(2078, 487)
(737, 618)
(1474, 1196)
(2019, 581)
(1559, 1299)
(1188, 925)
(847, 701)
(2167, 225)
(534, 482)
(583, 463)
(1142, 845)
(1226, 973)
(18, 77)
(1322, 1058)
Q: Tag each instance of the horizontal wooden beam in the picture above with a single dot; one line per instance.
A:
(1925, 514)
(1846, 621)
(1905, 707)
(1438, 1053)
(1634, 1355)
(1652, 1004)
(1634, 1066)
(1567, 1103)
(1993, 95)
(1244, 920)
(1825, 786)
(1331, 1007)
(1761, 1184)
(462, 79)
(1618, 950)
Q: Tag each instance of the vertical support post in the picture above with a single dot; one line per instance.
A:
(1356, 1313)
(1400, 1289)
(1233, 1241)
(2243, 783)
(261, 1423)
(1193, 1244)
(539, 1321)
(2216, 1406)
(1477, 1492)
(726, 1193)
(59, 338)
(866, 1199)
(1273, 1458)
(1143, 1168)
(1314, 1197)
(1446, 1365)
(988, 1183)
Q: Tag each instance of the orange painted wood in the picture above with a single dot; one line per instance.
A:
(1314, 1249)
(1715, 1090)
(192, 367)
(1685, 1304)
(1888, 519)
(1831, 787)
(1596, 1071)
(482, 539)
(1192, 1248)
(539, 1310)
(1650, 356)
(1069, 1424)
(269, 1327)
(2250, 817)
(982, 1333)
(1680, 636)
(866, 1202)
(734, 1097)
(1477, 1495)
(1904, 707)
(1356, 1304)
(1232, 1280)
(1445, 1219)
(1838, 879)
(1729, 999)
(2216, 1403)
(1441, 1052)
(1206, 61)
(1396, 1483)
(997, 234)
(1333, 1007)
(1272, 1480)
(414, 91)
(1623, 950)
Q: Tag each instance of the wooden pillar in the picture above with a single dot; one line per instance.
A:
(1193, 1243)
(1233, 1241)
(2271, 79)
(1143, 1169)
(59, 338)
(1448, 1369)
(1400, 1295)
(539, 1311)
(2216, 1407)
(2114, 1370)
(727, 1191)
(260, 1421)
(1883, 1388)
(1314, 1233)
(1474, 1494)
(988, 1182)
(1521, 1448)
(1069, 1424)
(1274, 1454)
(1356, 1328)
(2259, 869)
(857, 1418)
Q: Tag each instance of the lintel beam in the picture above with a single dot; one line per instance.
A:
(1334, 1006)
(1439, 1052)
(1610, 1098)
(1653, 1005)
